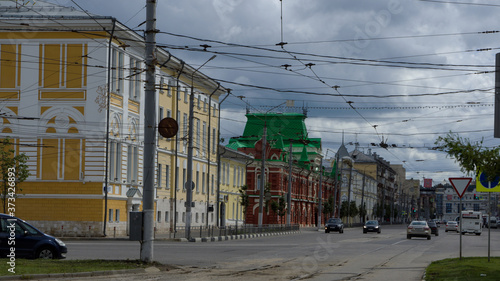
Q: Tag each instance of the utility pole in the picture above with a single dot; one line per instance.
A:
(320, 193)
(149, 135)
(262, 175)
(189, 183)
(289, 197)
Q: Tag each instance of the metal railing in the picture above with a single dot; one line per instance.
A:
(214, 231)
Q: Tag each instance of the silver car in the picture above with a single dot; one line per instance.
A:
(418, 229)
(451, 226)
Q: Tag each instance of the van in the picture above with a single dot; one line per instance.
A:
(20, 239)
(493, 222)
(472, 222)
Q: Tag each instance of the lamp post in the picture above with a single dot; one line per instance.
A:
(189, 182)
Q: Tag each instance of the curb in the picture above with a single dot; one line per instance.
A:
(75, 274)
(234, 237)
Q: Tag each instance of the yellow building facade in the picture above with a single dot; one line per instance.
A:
(72, 100)
(233, 175)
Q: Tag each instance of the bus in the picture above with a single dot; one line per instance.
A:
(472, 222)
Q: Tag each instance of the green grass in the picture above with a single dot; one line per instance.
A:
(470, 268)
(41, 266)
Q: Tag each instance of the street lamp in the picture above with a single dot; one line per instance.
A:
(189, 183)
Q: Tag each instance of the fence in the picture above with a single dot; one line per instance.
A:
(215, 231)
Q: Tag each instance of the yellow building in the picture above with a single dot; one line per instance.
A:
(233, 171)
(85, 146)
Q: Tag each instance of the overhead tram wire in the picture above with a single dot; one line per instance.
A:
(314, 55)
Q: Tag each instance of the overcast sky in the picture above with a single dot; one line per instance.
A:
(401, 72)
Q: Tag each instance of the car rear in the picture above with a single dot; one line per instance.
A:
(418, 229)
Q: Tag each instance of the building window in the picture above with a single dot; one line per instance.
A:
(198, 143)
(166, 216)
(159, 174)
(110, 215)
(116, 71)
(197, 181)
(160, 114)
(115, 160)
(167, 176)
(204, 133)
(135, 79)
(184, 179)
(234, 175)
(186, 96)
(117, 215)
(212, 184)
(158, 217)
(214, 140)
(185, 124)
(203, 182)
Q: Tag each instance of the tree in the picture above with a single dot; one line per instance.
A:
(362, 212)
(343, 209)
(328, 207)
(244, 200)
(279, 207)
(353, 209)
(471, 156)
(13, 171)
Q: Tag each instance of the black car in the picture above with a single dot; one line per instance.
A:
(371, 226)
(21, 239)
(434, 228)
(334, 224)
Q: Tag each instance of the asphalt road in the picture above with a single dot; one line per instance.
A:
(312, 255)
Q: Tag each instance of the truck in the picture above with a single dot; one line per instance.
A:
(472, 222)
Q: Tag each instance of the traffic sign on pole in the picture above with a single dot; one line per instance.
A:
(460, 185)
(483, 185)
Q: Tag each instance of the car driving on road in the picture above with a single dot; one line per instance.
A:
(434, 228)
(24, 240)
(371, 226)
(334, 224)
(451, 226)
(418, 229)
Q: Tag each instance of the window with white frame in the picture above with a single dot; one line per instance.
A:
(204, 133)
(167, 176)
(159, 175)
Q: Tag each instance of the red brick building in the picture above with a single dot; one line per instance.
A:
(283, 129)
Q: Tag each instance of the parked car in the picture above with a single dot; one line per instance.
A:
(451, 226)
(371, 226)
(334, 224)
(434, 228)
(418, 229)
(24, 240)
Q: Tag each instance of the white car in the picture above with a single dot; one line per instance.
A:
(451, 226)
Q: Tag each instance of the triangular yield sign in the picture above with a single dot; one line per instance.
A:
(460, 185)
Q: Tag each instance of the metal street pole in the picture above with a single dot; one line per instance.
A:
(320, 193)
(289, 197)
(189, 183)
(149, 135)
(460, 223)
(262, 175)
